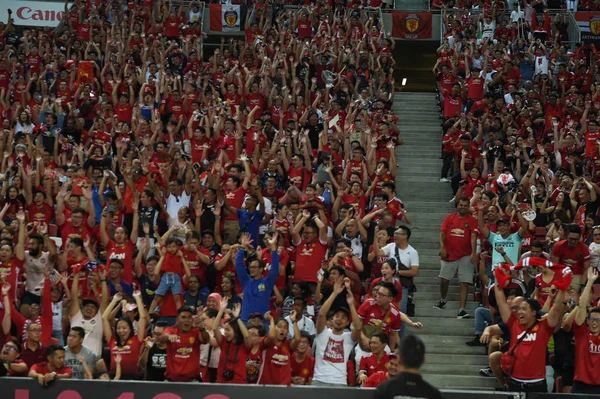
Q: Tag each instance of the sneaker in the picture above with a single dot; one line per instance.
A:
(440, 305)
(444, 180)
(452, 200)
(486, 372)
(462, 314)
(474, 342)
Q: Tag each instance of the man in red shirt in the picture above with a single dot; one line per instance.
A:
(377, 361)
(381, 311)
(310, 248)
(183, 346)
(53, 369)
(529, 337)
(575, 254)
(302, 363)
(587, 342)
(122, 247)
(377, 378)
(12, 260)
(458, 250)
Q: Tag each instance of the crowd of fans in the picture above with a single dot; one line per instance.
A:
(233, 219)
(521, 150)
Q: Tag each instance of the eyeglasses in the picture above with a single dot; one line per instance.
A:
(594, 320)
(10, 348)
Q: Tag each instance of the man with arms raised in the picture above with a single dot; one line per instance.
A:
(333, 345)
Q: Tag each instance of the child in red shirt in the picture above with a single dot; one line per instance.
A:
(171, 267)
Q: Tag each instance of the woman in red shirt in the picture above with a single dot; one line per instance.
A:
(234, 343)
(124, 341)
(276, 368)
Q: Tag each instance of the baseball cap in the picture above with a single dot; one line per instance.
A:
(92, 301)
(502, 220)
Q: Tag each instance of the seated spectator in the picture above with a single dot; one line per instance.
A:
(53, 369)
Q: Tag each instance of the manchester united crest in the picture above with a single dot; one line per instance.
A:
(595, 25)
(412, 23)
(231, 18)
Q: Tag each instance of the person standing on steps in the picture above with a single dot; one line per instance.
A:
(407, 261)
(458, 252)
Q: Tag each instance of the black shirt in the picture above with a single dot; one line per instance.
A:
(407, 385)
(157, 364)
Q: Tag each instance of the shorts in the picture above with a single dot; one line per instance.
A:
(462, 266)
(575, 282)
(231, 230)
(568, 373)
(30, 299)
(169, 281)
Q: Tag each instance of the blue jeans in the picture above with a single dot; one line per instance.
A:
(169, 281)
(58, 334)
(483, 318)
(403, 306)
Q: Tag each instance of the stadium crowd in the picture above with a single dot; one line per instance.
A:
(521, 150)
(232, 220)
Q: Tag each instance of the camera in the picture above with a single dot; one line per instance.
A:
(228, 375)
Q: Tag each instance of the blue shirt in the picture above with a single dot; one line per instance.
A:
(257, 293)
(250, 223)
(127, 290)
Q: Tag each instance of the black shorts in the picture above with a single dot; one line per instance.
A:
(30, 299)
(567, 376)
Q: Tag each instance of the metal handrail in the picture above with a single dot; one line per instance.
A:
(202, 15)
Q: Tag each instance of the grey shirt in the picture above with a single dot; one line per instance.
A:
(71, 361)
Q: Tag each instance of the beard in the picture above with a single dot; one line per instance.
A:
(34, 252)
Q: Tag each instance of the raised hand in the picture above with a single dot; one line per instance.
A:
(338, 287)
(137, 294)
(246, 240)
(268, 316)
(273, 241)
(42, 228)
(5, 289)
(306, 213)
(293, 316)
(146, 228)
(21, 216)
(224, 303)
(237, 309)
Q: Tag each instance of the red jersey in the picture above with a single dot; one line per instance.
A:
(68, 231)
(587, 355)
(197, 267)
(11, 272)
(543, 288)
(302, 371)
(372, 315)
(284, 258)
(43, 214)
(370, 365)
(458, 235)
(236, 200)
(375, 380)
(172, 264)
(531, 352)
(43, 368)
(299, 177)
(124, 253)
(130, 352)
(232, 360)
(183, 355)
(308, 260)
(475, 91)
(572, 257)
(276, 368)
(253, 366)
(377, 263)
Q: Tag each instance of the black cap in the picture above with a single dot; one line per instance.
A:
(92, 301)
(502, 220)
(342, 309)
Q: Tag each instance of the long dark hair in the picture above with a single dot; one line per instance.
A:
(130, 324)
(238, 337)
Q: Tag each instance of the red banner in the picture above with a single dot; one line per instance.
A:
(411, 25)
(85, 72)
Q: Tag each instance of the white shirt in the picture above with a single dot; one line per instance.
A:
(305, 324)
(595, 255)
(93, 331)
(331, 354)
(35, 272)
(175, 203)
(408, 256)
(57, 310)
(541, 65)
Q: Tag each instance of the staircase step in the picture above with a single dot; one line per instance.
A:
(449, 311)
(460, 381)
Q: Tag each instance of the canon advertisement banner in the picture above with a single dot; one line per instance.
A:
(32, 13)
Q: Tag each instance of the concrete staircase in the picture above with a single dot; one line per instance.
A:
(450, 363)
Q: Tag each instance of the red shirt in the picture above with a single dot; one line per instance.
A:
(124, 253)
(171, 264)
(302, 371)
(194, 263)
(475, 91)
(183, 356)
(253, 366)
(276, 368)
(308, 260)
(130, 352)
(232, 358)
(284, 258)
(42, 368)
(531, 352)
(43, 214)
(543, 288)
(587, 355)
(371, 365)
(236, 200)
(11, 272)
(572, 257)
(372, 315)
(68, 231)
(458, 235)
(375, 380)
